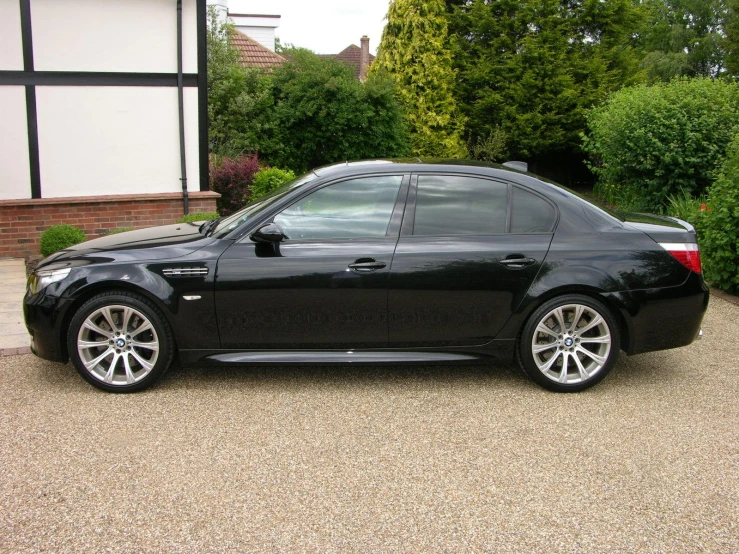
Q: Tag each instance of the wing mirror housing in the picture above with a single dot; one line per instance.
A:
(268, 233)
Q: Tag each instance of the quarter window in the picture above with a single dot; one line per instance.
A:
(351, 209)
(459, 205)
(530, 213)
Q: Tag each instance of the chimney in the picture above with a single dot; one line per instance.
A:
(364, 58)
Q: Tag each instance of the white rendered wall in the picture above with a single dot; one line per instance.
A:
(111, 35)
(15, 178)
(114, 140)
(11, 47)
(263, 35)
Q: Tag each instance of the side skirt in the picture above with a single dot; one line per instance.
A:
(500, 351)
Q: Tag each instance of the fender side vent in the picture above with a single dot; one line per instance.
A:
(185, 271)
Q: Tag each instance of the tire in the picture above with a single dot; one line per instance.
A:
(120, 342)
(574, 358)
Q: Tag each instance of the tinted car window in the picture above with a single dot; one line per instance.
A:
(530, 213)
(350, 209)
(457, 205)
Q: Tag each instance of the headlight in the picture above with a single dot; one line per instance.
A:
(42, 278)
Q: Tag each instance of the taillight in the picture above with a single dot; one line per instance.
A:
(686, 253)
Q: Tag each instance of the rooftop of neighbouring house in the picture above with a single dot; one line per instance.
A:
(351, 56)
(253, 54)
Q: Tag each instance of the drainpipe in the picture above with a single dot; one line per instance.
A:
(181, 104)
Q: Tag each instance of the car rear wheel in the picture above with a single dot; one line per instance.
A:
(120, 342)
(569, 344)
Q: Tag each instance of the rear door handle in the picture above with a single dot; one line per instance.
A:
(516, 260)
(366, 265)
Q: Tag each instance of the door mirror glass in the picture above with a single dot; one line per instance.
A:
(270, 232)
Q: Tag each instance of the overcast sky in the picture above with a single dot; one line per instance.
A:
(324, 26)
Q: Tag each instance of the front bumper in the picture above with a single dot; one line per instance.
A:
(43, 315)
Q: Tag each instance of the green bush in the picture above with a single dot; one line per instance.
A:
(323, 114)
(718, 226)
(268, 179)
(661, 140)
(60, 237)
(197, 216)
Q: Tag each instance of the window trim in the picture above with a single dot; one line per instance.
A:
(396, 215)
(409, 220)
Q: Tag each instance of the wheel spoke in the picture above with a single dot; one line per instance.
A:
(600, 360)
(597, 320)
(141, 328)
(539, 348)
(144, 363)
(109, 318)
(560, 317)
(605, 339)
(565, 363)
(111, 370)
(95, 361)
(129, 373)
(541, 328)
(581, 368)
(91, 344)
(125, 318)
(146, 345)
(579, 309)
(89, 324)
(550, 362)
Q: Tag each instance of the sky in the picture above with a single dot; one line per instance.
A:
(324, 26)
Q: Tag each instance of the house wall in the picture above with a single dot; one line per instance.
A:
(263, 35)
(89, 105)
(23, 221)
(114, 140)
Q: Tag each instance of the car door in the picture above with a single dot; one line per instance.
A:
(469, 249)
(325, 285)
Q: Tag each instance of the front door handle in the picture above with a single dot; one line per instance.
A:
(517, 261)
(366, 265)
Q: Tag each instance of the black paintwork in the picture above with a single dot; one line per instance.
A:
(399, 298)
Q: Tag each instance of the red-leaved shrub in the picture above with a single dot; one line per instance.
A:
(232, 179)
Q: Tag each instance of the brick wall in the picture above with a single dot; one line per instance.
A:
(23, 221)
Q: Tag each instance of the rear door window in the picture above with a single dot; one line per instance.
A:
(459, 205)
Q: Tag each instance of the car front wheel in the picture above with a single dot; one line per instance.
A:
(569, 344)
(120, 342)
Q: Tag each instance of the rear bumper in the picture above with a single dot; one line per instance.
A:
(660, 319)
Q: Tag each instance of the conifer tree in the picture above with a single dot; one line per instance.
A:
(415, 51)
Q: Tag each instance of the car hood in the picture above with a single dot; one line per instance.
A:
(153, 243)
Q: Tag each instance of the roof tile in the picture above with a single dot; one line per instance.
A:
(253, 54)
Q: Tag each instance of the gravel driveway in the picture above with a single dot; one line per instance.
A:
(356, 459)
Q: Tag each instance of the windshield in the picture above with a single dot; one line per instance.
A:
(227, 224)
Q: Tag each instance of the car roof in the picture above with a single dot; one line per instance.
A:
(411, 164)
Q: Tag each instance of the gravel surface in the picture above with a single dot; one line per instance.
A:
(360, 459)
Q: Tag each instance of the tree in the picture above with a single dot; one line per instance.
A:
(684, 38)
(414, 50)
(322, 114)
(239, 99)
(533, 68)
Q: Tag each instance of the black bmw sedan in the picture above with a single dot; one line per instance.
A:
(381, 261)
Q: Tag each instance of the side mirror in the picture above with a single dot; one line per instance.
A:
(270, 233)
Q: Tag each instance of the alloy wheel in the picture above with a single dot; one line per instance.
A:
(571, 344)
(118, 345)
